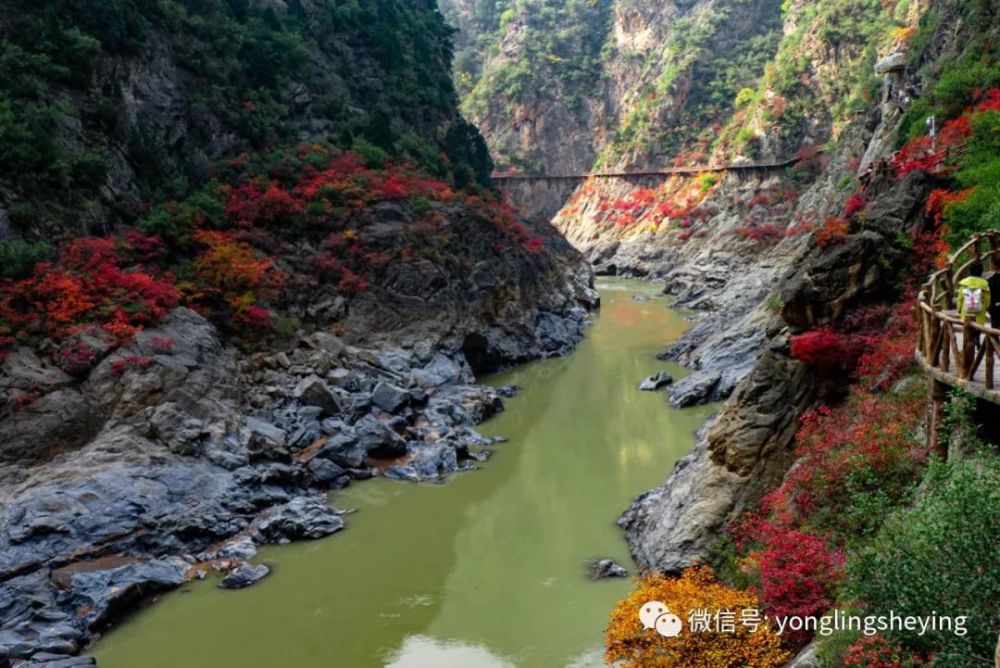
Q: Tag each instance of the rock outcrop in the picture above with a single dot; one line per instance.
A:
(138, 477)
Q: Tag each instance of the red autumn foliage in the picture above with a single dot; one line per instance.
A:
(877, 651)
(833, 231)
(94, 281)
(767, 233)
(928, 154)
(120, 366)
(855, 203)
(799, 572)
(21, 400)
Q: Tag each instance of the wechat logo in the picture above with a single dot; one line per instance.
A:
(655, 615)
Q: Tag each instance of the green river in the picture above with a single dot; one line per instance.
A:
(485, 570)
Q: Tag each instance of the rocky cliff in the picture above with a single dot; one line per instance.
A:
(297, 276)
(826, 84)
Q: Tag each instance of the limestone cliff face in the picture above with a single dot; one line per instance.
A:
(829, 91)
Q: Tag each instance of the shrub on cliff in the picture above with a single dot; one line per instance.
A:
(941, 558)
(696, 596)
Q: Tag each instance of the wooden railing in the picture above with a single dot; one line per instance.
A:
(939, 345)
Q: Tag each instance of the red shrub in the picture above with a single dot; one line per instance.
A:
(855, 203)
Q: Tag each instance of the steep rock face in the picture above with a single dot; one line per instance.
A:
(119, 106)
(746, 450)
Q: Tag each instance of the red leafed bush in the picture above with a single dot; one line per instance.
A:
(877, 651)
(833, 231)
(232, 274)
(767, 233)
(119, 367)
(822, 348)
(21, 400)
(855, 203)
(94, 281)
(799, 573)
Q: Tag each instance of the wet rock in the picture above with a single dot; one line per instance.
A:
(641, 298)
(389, 398)
(242, 548)
(324, 471)
(244, 576)
(101, 594)
(313, 391)
(698, 388)
(49, 660)
(31, 619)
(378, 439)
(428, 462)
(302, 517)
(607, 568)
(653, 383)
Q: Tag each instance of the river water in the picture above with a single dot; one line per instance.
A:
(486, 570)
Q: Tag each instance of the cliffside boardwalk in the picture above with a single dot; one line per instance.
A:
(738, 168)
(946, 344)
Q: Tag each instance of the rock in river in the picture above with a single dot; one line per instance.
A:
(244, 576)
(654, 383)
(607, 568)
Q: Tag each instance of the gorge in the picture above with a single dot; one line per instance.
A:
(255, 253)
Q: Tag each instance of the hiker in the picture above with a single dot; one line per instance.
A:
(974, 296)
(994, 305)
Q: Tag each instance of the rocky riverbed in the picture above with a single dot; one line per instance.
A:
(179, 455)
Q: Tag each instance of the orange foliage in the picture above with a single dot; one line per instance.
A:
(833, 231)
(695, 591)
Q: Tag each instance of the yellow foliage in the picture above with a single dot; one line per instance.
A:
(696, 590)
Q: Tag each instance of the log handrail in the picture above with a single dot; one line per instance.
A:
(938, 344)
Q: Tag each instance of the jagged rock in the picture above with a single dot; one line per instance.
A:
(99, 594)
(263, 439)
(378, 439)
(302, 517)
(242, 548)
(807, 658)
(607, 568)
(49, 660)
(181, 432)
(244, 576)
(60, 420)
(653, 383)
(892, 63)
(699, 388)
(326, 342)
(313, 391)
(389, 398)
(22, 369)
(324, 471)
(428, 462)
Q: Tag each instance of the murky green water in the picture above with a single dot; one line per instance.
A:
(486, 570)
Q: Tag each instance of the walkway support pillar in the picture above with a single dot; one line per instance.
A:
(939, 393)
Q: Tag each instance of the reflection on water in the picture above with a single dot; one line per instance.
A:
(487, 570)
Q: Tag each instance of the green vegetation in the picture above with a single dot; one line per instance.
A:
(559, 44)
(941, 556)
(214, 77)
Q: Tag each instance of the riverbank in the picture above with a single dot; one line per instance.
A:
(486, 570)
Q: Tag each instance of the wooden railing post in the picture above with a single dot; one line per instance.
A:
(990, 345)
(967, 352)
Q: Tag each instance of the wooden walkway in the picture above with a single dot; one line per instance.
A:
(948, 346)
(762, 167)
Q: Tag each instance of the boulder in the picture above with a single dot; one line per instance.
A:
(653, 383)
(607, 568)
(99, 594)
(313, 391)
(698, 388)
(389, 398)
(379, 440)
(244, 576)
(302, 517)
